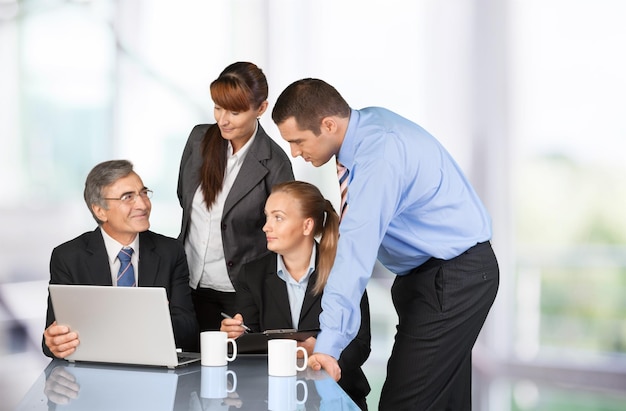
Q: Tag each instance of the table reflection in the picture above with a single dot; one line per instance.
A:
(242, 385)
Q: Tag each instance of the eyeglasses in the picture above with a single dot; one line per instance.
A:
(130, 198)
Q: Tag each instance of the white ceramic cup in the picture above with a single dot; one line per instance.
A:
(282, 393)
(213, 382)
(282, 357)
(214, 348)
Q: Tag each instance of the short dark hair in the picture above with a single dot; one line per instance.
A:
(309, 100)
(101, 176)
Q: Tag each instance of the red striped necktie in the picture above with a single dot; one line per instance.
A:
(342, 175)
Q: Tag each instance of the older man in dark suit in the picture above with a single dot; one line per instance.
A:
(120, 203)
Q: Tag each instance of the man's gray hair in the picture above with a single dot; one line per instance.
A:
(101, 176)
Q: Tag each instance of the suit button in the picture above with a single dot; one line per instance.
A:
(230, 263)
(223, 227)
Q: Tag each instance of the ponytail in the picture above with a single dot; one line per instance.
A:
(328, 247)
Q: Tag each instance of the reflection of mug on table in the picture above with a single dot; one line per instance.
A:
(282, 357)
(213, 382)
(213, 348)
(282, 393)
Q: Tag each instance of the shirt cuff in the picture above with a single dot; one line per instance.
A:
(331, 343)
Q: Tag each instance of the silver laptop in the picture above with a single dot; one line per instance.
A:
(125, 325)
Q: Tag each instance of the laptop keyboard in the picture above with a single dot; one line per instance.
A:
(185, 357)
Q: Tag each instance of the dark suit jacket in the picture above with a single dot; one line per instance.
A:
(162, 263)
(265, 164)
(263, 302)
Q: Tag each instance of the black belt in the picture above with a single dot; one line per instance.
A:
(435, 262)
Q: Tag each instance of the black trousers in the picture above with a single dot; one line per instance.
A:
(442, 306)
(209, 304)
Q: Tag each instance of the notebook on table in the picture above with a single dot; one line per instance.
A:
(256, 343)
(124, 325)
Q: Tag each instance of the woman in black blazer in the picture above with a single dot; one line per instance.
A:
(283, 289)
(226, 173)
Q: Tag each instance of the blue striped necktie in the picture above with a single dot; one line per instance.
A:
(126, 274)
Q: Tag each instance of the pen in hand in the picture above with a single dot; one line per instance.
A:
(245, 327)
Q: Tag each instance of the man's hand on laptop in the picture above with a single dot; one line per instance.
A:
(60, 340)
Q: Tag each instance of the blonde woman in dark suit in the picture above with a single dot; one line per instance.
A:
(226, 174)
(283, 289)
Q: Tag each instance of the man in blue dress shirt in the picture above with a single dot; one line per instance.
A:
(411, 207)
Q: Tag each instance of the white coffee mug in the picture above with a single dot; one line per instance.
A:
(282, 357)
(213, 382)
(214, 348)
(282, 393)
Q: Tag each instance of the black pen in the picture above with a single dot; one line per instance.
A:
(245, 327)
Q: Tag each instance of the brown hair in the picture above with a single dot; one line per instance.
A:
(309, 100)
(240, 87)
(325, 221)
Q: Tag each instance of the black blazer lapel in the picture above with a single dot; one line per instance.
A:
(148, 260)
(97, 260)
(311, 305)
(277, 293)
(252, 171)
